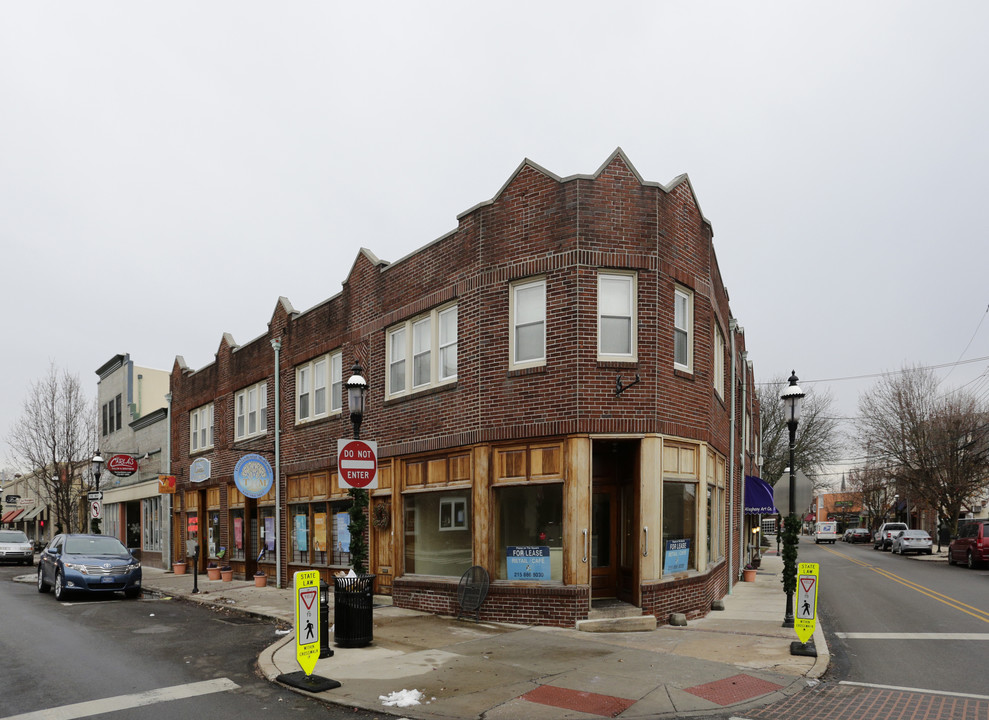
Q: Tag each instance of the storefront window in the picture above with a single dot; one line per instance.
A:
(679, 526)
(438, 533)
(715, 510)
(213, 536)
(299, 529)
(529, 521)
(237, 534)
(151, 521)
(266, 528)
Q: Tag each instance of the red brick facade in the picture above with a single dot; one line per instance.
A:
(565, 231)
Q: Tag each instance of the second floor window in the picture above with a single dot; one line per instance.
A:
(616, 316)
(112, 416)
(251, 409)
(683, 321)
(422, 352)
(318, 388)
(718, 364)
(201, 428)
(528, 318)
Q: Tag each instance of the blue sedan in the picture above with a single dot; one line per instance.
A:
(88, 563)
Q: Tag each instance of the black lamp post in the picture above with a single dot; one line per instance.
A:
(356, 392)
(97, 467)
(791, 398)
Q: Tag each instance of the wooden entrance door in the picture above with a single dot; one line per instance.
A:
(614, 520)
(604, 541)
(381, 545)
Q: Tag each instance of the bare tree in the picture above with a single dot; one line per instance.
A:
(819, 442)
(877, 490)
(54, 440)
(935, 445)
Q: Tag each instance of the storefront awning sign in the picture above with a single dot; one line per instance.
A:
(758, 497)
(253, 476)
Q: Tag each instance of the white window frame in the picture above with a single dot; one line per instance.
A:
(307, 384)
(446, 345)
(201, 429)
(451, 508)
(718, 364)
(252, 400)
(683, 296)
(630, 280)
(414, 350)
(513, 307)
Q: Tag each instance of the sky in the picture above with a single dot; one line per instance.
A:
(168, 170)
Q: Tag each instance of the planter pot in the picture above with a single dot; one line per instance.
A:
(214, 573)
(260, 580)
(179, 568)
(226, 575)
(749, 575)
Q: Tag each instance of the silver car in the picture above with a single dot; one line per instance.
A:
(15, 547)
(908, 541)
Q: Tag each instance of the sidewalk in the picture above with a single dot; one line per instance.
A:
(734, 659)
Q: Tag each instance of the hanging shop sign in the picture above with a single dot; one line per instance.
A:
(253, 476)
(122, 465)
(200, 470)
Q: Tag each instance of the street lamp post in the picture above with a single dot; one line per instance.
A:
(791, 398)
(356, 393)
(97, 466)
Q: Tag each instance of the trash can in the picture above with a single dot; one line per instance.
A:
(353, 599)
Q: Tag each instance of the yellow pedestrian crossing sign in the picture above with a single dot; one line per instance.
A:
(805, 619)
(307, 619)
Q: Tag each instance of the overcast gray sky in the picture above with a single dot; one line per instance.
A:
(168, 170)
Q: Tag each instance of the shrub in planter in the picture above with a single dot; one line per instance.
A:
(226, 573)
(213, 571)
(260, 579)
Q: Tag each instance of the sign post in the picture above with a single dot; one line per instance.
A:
(307, 644)
(805, 617)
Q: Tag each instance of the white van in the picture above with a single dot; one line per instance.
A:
(825, 532)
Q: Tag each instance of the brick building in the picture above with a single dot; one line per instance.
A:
(494, 357)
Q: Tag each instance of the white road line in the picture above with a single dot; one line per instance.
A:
(912, 636)
(916, 690)
(125, 702)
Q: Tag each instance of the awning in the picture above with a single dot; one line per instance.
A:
(758, 497)
(31, 514)
(10, 515)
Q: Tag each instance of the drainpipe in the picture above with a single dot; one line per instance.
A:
(167, 470)
(732, 329)
(745, 442)
(276, 344)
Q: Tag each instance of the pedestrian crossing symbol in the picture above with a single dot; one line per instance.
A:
(307, 619)
(806, 612)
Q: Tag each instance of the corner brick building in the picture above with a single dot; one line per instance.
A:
(551, 387)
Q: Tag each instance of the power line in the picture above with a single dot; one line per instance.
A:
(890, 372)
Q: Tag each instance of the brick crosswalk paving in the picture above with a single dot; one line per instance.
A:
(864, 702)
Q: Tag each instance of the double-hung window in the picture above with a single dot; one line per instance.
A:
(718, 364)
(616, 316)
(528, 318)
(251, 408)
(318, 387)
(683, 322)
(201, 428)
(422, 352)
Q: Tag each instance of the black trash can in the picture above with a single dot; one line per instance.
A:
(353, 599)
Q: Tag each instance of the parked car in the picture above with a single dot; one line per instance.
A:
(883, 539)
(16, 547)
(971, 545)
(859, 535)
(908, 541)
(88, 563)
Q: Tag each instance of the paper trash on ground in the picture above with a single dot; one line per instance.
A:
(401, 698)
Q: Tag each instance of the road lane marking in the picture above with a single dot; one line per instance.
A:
(911, 636)
(916, 690)
(975, 612)
(126, 702)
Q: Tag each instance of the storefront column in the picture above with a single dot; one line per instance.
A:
(482, 509)
(577, 513)
(651, 506)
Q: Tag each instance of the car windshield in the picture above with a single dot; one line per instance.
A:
(94, 546)
(12, 536)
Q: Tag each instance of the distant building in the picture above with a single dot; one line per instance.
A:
(133, 422)
(551, 388)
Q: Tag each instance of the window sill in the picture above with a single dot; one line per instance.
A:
(684, 374)
(335, 415)
(425, 392)
(521, 372)
(618, 364)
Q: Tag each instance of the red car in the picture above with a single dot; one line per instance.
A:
(971, 545)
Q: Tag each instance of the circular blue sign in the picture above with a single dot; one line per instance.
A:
(253, 476)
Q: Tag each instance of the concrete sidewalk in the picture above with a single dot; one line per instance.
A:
(733, 659)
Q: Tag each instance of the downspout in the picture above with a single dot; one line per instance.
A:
(745, 441)
(168, 471)
(732, 329)
(276, 344)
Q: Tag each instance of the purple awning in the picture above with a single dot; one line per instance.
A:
(758, 497)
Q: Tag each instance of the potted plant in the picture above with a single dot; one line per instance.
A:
(179, 567)
(749, 573)
(260, 579)
(213, 570)
(226, 573)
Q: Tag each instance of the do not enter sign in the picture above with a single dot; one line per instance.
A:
(357, 463)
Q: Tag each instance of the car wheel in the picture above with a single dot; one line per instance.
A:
(132, 593)
(60, 591)
(951, 559)
(930, 552)
(970, 560)
(42, 585)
